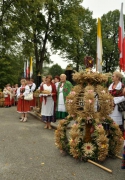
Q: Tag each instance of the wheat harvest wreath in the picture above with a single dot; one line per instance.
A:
(94, 135)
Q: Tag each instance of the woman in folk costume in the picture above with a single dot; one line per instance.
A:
(117, 90)
(23, 106)
(48, 100)
(64, 89)
(7, 95)
(32, 87)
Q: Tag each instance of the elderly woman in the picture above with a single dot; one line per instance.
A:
(116, 89)
(63, 90)
(23, 105)
(48, 100)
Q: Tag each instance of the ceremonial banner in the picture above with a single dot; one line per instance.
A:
(99, 48)
(121, 39)
(27, 69)
(31, 67)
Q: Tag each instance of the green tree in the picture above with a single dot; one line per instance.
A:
(55, 70)
(10, 70)
(43, 23)
(29, 28)
(11, 65)
(110, 24)
(77, 47)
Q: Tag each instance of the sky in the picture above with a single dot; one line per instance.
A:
(98, 7)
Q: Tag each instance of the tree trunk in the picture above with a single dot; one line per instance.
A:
(41, 57)
(77, 64)
(43, 49)
(36, 54)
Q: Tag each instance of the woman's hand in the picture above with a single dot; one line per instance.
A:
(21, 96)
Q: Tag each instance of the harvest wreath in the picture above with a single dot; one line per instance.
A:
(94, 135)
(102, 142)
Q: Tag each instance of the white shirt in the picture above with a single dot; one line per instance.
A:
(33, 87)
(27, 90)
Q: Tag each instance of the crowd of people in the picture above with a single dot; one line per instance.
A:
(53, 97)
(52, 103)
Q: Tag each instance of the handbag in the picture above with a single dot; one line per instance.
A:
(121, 106)
(29, 96)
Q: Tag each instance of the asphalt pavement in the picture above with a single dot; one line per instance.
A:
(28, 152)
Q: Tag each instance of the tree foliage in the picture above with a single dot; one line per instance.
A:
(56, 70)
(77, 48)
(41, 23)
(110, 24)
(10, 70)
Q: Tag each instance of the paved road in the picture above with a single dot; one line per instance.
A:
(28, 152)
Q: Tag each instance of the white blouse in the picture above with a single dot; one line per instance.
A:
(27, 90)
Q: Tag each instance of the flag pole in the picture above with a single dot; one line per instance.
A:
(96, 62)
